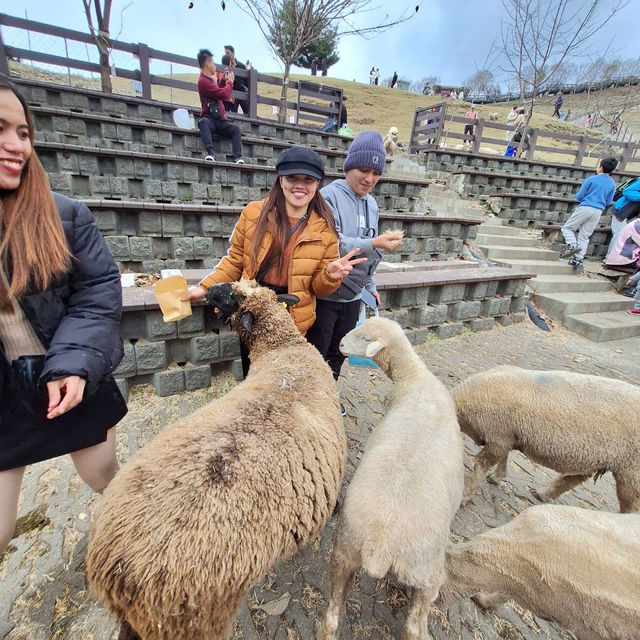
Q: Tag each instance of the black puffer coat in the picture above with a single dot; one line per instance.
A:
(78, 317)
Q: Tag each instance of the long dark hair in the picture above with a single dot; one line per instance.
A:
(273, 218)
(33, 240)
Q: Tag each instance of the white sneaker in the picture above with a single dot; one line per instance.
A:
(239, 161)
(209, 158)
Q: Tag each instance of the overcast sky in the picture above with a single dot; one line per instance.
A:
(447, 38)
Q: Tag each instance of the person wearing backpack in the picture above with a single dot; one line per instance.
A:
(626, 207)
(594, 196)
(356, 217)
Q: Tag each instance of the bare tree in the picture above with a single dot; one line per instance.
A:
(537, 36)
(310, 18)
(100, 36)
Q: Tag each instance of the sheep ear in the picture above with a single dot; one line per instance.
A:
(373, 348)
(246, 321)
(288, 298)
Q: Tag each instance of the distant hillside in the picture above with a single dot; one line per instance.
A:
(377, 107)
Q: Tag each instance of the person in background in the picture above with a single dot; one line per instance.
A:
(356, 216)
(212, 94)
(394, 79)
(239, 84)
(595, 193)
(633, 282)
(314, 66)
(372, 75)
(60, 305)
(342, 117)
(511, 118)
(376, 76)
(248, 65)
(625, 209)
(287, 242)
(472, 114)
(558, 104)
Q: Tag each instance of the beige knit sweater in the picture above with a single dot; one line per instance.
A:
(16, 333)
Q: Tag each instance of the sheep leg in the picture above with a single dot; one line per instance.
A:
(417, 624)
(344, 562)
(127, 633)
(500, 472)
(628, 490)
(561, 484)
(489, 456)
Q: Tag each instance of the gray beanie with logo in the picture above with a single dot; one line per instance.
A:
(366, 152)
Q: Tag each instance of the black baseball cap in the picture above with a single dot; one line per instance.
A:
(302, 160)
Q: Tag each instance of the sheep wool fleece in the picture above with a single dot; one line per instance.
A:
(199, 514)
(316, 247)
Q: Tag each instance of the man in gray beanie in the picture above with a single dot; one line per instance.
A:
(356, 215)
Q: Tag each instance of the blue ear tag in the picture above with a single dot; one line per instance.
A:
(361, 361)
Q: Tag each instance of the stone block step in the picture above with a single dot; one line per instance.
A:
(506, 241)
(537, 266)
(494, 227)
(549, 283)
(605, 326)
(524, 253)
(561, 305)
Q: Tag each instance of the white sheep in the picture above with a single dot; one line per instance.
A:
(494, 116)
(578, 425)
(399, 506)
(198, 515)
(575, 566)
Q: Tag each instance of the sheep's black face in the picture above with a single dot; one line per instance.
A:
(225, 299)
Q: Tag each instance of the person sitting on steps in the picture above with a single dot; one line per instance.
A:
(213, 118)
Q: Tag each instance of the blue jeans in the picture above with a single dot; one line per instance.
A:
(222, 128)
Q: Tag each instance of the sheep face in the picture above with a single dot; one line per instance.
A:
(253, 310)
(371, 339)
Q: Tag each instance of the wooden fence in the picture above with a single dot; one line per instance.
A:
(311, 103)
(433, 128)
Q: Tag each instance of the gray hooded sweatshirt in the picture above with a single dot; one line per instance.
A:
(357, 224)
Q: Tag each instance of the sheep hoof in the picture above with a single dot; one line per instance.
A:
(493, 479)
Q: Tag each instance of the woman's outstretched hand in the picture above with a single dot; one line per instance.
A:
(342, 266)
(64, 395)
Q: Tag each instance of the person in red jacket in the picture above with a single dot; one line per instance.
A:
(213, 118)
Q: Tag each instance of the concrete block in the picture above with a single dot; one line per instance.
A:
(495, 307)
(480, 324)
(150, 356)
(182, 248)
(420, 335)
(475, 291)
(517, 303)
(447, 293)
(152, 189)
(157, 329)
(505, 321)
(197, 377)
(205, 349)
(152, 266)
(464, 310)
(169, 383)
(150, 223)
(118, 246)
(202, 248)
(124, 387)
(229, 345)
(172, 225)
(175, 264)
(127, 366)
(193, 325)
(106, 220)
(141, 248)
(518, 317)
(236, 370)
(61, 182)
(448, 330)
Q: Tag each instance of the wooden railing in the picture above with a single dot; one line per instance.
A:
(431, 130)
(314, 103)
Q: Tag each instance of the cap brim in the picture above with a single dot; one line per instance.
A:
(307, 171)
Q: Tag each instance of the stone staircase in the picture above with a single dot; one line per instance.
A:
(584, 303)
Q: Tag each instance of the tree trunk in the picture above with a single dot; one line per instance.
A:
(105, 71)
(282, 117)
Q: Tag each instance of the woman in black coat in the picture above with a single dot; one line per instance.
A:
(60, 305)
